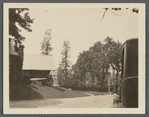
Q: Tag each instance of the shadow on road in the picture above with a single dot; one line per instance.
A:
(34, 104)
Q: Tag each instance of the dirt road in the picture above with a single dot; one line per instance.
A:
(102, 101)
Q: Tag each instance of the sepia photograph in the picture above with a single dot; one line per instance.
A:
(68, 58)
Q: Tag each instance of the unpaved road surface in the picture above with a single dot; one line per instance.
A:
(100, 101)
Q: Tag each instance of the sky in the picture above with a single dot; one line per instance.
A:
(82, 27)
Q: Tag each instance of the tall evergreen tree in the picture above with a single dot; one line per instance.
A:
(45, 44)
(65, 63)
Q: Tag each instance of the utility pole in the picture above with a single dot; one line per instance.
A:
(45, 19)
(45, 44)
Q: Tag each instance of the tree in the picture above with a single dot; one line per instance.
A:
(60, 76)
(100, 63)
(65, 63)
(19, 17)
(45, 44)
(114, 54)
(95, 61)
(74, 81)
(83, 64)
(98, 59)
(106, 55)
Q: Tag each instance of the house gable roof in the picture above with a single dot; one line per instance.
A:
(38, 62)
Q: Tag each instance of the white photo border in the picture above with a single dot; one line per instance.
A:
(142, 60)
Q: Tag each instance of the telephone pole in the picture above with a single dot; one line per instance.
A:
(45, 19)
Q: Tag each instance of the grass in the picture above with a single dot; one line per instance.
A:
(23, 92)
(95, 93)
(32, 92)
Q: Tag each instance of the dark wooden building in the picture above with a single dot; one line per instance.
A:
(37, 66)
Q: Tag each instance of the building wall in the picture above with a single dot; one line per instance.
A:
(28, 74)
(15, 68)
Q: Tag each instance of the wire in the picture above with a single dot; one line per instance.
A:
(115, 13)
(45, 19)
(103, 14)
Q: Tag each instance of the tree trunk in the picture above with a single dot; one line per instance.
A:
(117, 74)
(103, 77)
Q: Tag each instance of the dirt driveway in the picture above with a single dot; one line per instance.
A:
(102, 101)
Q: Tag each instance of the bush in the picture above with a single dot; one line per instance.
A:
(83, 88)
(49, 84)
(44, 82)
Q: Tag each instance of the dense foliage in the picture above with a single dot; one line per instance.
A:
(45, 44)
(63, 71)
(19, 18)
(97, 61)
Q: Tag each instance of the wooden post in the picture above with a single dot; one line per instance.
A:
(109, 88)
